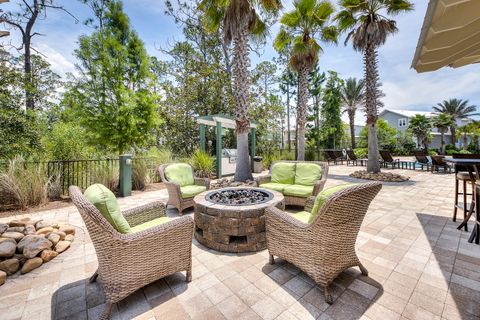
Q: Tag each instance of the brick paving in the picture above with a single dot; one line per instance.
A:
(421, 267)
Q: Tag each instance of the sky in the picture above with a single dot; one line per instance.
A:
(404, 87)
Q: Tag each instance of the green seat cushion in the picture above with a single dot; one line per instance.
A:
(307, 173)
(274, 186)
(298, 190)
(323, 196)
(303, 216)
(180, 173)
(106, 202)
(283, 172)
(150, 224)
(191, 191)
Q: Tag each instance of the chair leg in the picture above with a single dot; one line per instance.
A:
(363, 269)
(328, 294)
(456, 201)
(93, 278)
(189, 275)
(107, 312)
(465, 202)
(271, 259)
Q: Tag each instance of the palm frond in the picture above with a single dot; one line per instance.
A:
(282, 40)
(290, 19)
(395, 7)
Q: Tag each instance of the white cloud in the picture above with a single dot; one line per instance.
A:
(60, 63)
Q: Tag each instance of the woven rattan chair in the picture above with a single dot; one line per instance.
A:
(298, 201)
(174, 193)
(326, 247)
(128, 262)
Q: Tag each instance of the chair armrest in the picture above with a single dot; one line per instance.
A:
(309, 203)
(318, 186)
(145, 213)
(173, 189)
(182, 227)
(203, 182)
(275, 216)
(263, 179)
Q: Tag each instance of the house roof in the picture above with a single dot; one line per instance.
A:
(407, 113)
(450, 35)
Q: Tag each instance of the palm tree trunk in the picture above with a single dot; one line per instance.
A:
(289, 137)
(453, 132)
(351, 118)
(371, 85)
(241, 85)
(442, 141)
(302, 111)
(465, 141)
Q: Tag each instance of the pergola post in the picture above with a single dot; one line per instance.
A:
(253, 145)
(218, 135)
(202, 138)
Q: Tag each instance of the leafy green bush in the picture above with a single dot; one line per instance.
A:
(23, 185)
(66, 141)
(203, 164)
(463, 152)
(140, 174)
(404, 145)
(160, 155)
(387, 136)
(361, 152)
(432, 153)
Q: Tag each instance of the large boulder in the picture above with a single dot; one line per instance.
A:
(10, 266)
(31, 264)
(7, 247)
(3, 277)
(17, 236)
(35, 245)
(48, 255)
(3, 227)
(62, 246)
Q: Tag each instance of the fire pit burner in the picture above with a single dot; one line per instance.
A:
(239, 197)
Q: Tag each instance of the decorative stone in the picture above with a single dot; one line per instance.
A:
(32, 264)
(62, 246)
(61, 234)
(3, 277)
(7, 248)
(10, 266)
(54, 238)
(67, 229)
(35, 246)
(20, 258)
(30, 229)
(43, 224)
(17, 223)
(16, 229)
(17, 236)
(69, 237)
(382, 176)
(27, 239)
(44, 230)
(3, 227)
(48, 255)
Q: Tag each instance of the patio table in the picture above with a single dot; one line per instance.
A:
(472, 166)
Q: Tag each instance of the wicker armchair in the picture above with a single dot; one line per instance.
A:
(174, 193)
(326, 247)
(127, 262)
(299, 201)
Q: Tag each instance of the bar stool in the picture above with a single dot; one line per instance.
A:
(465, 178)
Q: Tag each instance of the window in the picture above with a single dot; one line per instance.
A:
(402, 123)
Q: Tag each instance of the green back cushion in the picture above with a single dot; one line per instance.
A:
(307, 173)
(106, 202)
(180, 173)
(283, 172)
(303, 216)
(323, 196)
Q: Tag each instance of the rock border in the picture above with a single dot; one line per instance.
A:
(382, 176)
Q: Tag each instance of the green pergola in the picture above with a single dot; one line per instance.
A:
(220, 121)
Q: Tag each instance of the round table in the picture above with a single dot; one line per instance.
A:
(233, 228)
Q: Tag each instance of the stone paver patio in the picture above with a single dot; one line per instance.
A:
(421, 267)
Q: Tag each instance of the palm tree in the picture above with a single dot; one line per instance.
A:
(457, 109)
(238, 20)
(420, 126)
(442, 122)
(369, 28)
(301, 31)
(352, 96)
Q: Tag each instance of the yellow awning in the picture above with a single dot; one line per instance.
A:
(450, 35)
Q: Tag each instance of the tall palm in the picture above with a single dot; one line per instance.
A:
(420, 126)
(442, 122)
(238, 20)
(457, 109)
(302, 30)
(369, 27)
(352, 96)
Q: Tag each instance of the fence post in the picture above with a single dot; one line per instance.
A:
(125, 175)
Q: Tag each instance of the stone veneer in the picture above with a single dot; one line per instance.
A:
(233, 228)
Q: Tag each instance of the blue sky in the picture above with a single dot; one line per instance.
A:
(403, 86)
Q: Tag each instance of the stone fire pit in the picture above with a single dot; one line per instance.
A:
(232, 219)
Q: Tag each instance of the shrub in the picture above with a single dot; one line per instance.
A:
(140, 174)
(432, 153)
(106, 175)
(66, 141)
(23, 185)
(361, 152)
(203, 164)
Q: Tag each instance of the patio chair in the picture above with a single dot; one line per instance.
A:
(387, 159)
(144, 245)
(333, 156)
(422, 159)
(182, 185)
(323, 246)
(439, 162)
(351, 157)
